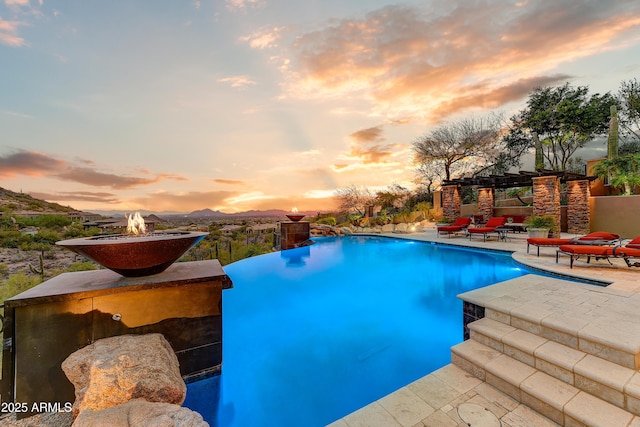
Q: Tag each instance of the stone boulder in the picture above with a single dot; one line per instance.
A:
(112, 371)
(403, 227)
(140, 413)
(346, 230)
(388, 228)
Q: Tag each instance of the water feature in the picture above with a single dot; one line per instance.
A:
(314, 333)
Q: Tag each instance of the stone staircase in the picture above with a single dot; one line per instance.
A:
(570, 377)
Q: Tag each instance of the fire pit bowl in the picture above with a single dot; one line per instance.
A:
(295, 217)
(135, 256)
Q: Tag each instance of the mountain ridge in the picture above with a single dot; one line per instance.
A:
(10, 200)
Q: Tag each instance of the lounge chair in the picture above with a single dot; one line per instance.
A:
(489, 227)
(461, 224)
(596, 238)
(634, 244)
(627, 252)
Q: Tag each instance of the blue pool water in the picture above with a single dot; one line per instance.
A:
(314, 333)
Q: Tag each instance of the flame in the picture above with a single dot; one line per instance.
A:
(135, 224)
(294, 210)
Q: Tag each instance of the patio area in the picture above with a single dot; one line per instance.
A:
(548, 351)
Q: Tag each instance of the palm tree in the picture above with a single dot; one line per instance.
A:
(623, 171)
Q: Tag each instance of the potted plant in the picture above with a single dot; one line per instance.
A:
(539, 225)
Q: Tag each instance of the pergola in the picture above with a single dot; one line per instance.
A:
(520, 179)
(546, 194)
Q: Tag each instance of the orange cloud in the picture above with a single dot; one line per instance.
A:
(187, 202)
(78, 196)
(366, 135)
(407, 61)
(368, 151)
(229, 181)
(265, 38)
(303, 204)
(486, 97)
(237, 81)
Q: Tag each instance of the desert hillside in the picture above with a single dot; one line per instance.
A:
(12, 201)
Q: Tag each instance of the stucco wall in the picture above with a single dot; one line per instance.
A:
(617, 214)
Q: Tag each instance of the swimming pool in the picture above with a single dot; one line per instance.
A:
(314, 333)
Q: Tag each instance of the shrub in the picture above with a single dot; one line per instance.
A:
(82, 266)
(402, 216)
(255, 249)
(10, 239)
(73, 231)
(329, 220)
(46, 236)
(52, 221)
(354, 218)
(34, 246)
(424, 208)
(17, 283)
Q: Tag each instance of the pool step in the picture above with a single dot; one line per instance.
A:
(565, 385)
(595, 320)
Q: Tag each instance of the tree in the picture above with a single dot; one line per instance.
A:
(623, 171)
(459, 147)
(564, 118)
(353, 198)
(630, 147)
(612, 140)
(629, 99)
(392, 198)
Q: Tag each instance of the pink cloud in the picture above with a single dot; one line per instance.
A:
(31, 163)
(9, 33)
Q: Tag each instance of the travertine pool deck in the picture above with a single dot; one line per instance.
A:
(439, 398)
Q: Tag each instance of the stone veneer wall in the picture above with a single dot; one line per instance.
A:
(470, 313)
(578, 215)
(486, 202)
(450, 201)
(546, 198)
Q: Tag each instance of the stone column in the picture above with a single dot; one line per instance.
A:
(578, 215)
(450, 201)
(486, 202)
(293, 234)
(546, 199)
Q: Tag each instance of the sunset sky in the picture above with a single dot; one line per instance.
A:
(258, 104)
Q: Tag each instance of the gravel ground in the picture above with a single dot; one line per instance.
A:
(18, 261)
(56, 419)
